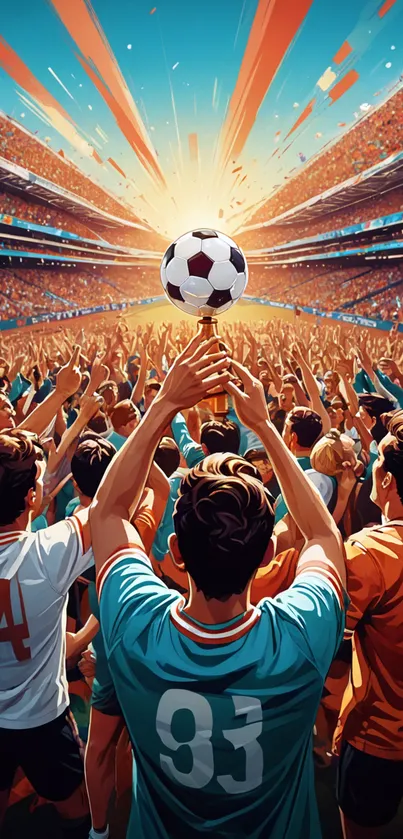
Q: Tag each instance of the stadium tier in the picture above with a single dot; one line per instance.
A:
(376, 137)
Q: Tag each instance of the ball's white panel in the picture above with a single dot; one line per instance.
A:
(216, 249)
(187, 246)
(177, 271)
(196, 290)
(239, 286)
(222, 275)
(227, 239)
(186, 307)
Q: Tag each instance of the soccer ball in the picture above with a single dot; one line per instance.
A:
(204, 273)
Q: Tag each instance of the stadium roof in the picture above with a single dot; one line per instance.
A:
(17, 179)
(384, 176)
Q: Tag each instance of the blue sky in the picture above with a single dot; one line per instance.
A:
(208, 40)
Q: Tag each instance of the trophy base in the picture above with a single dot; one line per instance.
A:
(218, 398)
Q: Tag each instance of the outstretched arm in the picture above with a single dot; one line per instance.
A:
(312, 388)
(68, 381)
(313, 519)
(192, 376)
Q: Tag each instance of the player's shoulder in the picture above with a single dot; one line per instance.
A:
(380, 542)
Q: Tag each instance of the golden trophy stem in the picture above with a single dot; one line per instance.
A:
(218, 398)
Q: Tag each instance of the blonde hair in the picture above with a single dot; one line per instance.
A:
(328, 456)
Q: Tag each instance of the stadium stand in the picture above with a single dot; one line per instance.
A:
(374, 138)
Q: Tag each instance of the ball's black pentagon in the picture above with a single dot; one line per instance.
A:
(200, 265)
(219, 298)
(204, 234)
(170, 253)
(237, 259)
(174, 292)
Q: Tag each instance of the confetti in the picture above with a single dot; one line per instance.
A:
(327, 79)
(90, 107)
(318, 135)
(365, 107)
(388, 65)
(129, 46)
(296, 105)
(153, 10)
(175, 65)
(22, 115)
(393, 47)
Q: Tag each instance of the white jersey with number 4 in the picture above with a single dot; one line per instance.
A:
(36, 572)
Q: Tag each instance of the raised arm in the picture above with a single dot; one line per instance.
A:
(192, 376)
(322, 538)
(67, 382)
(312, 388)
(138, 390)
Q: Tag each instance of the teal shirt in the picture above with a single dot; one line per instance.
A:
(72, 506)
(117, 440)
(193, 454)
(221, 729)
(160, 544)
(281, 508)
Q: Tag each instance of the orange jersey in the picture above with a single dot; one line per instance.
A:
(371, 716)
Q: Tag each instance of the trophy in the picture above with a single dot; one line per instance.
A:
(204, 273)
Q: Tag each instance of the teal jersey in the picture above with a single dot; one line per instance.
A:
(220, 718)
(166, 526)
(71, 507)
(116, 439)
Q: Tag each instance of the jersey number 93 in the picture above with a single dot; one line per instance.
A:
(202, 771)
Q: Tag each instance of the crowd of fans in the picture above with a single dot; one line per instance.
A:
(327, 289)
(324, 222)
(43, 214)
(31, 291)
(48, 216)
(215, 662)
(22, 148)
(376, 137)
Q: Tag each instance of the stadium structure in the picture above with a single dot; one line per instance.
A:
(67, 251)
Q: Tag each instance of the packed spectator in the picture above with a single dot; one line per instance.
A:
(376, 137)
(259, 624)
(24, 149)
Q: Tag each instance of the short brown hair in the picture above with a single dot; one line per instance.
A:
(19, 453)
(306, 425)
(123, 413)
(393, 452)
(167, 456)
(223, 520)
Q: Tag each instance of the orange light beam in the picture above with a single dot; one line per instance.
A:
(275, 24)
(193, 148)
(342, 53)
(81, 22)
(343, 85)
(115, 166)
(386, 6)
(302, 117)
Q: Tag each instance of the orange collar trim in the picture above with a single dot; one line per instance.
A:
(205, 635)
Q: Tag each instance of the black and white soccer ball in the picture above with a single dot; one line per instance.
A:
(204, 273)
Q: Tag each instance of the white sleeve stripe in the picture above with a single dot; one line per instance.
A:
(125, 553)
(327, 570)
(333, 580)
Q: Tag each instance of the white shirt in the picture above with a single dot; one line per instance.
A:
(36, 572)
